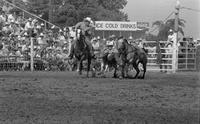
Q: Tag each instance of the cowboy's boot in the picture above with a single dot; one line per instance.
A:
(91, 51)
(92, 54)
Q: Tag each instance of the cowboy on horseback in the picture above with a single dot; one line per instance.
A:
(87, 28)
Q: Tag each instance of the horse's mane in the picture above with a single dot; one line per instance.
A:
(128, 45)
(80, 43)
(134, 48)
(126, 41)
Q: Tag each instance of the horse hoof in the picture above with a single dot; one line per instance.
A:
(140, 77)
(99, 73)
(114, 76)
(103, 76)
(120, 77)
(93, 75)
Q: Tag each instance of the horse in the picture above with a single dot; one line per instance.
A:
(82, 52)
(132, 55)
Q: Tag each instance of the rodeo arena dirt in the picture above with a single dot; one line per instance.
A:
(39, 83)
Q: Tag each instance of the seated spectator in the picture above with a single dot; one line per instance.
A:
(41, 40)
(3, 17)
(6, 29)
(1, 51)
(61, 38)
(10, 18)
(140, 43)
(130, 39)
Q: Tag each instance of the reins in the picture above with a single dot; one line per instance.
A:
(125, 51)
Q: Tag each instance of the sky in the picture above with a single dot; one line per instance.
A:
(152, 10)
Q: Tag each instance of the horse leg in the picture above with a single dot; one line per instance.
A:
(80, 67)
(145, 68)
(115, 71)
(126, 71)
(135, 65)
(88, 67)
(106, 68)
(122, 71)
(102, 66)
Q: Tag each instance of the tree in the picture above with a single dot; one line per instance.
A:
(112, 5)
(164, 27)
(69, 12)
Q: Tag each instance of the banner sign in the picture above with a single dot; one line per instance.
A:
(143, 25)
(119, 26)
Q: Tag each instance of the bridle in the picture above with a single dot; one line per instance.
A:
(124, 49)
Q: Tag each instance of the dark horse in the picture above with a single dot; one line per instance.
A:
(132, 55)
(82, 52)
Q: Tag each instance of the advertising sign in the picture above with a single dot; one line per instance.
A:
(119, 26)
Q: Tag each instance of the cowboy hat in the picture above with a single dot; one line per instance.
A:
(94, 39)
(130, 38)
(41, 35)
(25, 34)
(29, 19)
(60, 30)
(88, 19)
(112, 36)
(53, 27)
(170, 30)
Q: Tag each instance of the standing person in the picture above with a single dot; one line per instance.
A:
(130, 40)
(28, 26)
(140, 43)
(87, 29)
(71, 38)
(171, 36)
(109, 44)
(159, 55)
(169, 52)
(61, 38)
(3, 17)
(95, 44)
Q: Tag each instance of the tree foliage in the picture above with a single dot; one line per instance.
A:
(164, 28)
(69, 12)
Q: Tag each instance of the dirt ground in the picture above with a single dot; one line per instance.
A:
(66, 98)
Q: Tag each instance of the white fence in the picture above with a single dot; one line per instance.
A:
(161, 58)
(187, 56)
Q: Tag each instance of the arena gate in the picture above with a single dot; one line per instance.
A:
(161, 58)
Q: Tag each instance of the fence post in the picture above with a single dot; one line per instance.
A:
(45, 25)
(69, 45)
(175, 55)
(32, 62)
(186, 57)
